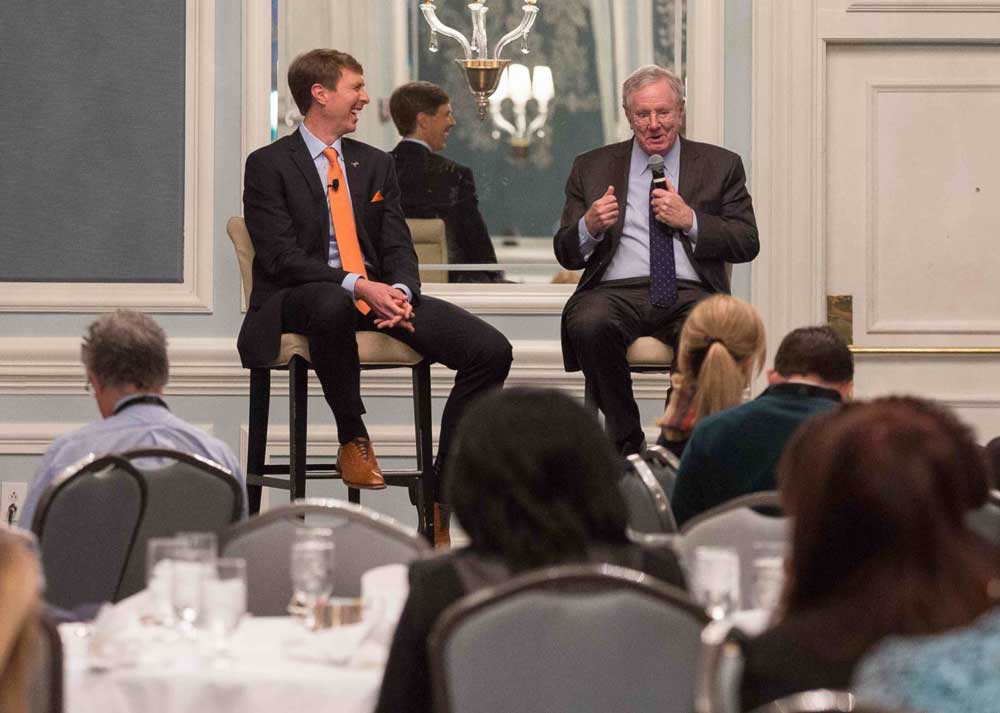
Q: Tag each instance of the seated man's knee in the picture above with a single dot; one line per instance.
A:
(330, 306)
(589, 324)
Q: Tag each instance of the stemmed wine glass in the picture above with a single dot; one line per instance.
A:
(312, 562)
(224, 603)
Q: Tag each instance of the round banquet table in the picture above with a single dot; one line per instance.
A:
(274, 665)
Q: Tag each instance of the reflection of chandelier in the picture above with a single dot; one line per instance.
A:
(482, 72)
(519, 86)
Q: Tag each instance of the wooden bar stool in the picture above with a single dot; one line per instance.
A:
(376, 351)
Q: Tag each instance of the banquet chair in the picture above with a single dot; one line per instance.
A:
(646, 355)
(986, 519)
(375, 351)
(821, 701)
(582, 638)
(184, 493)
(738, 525)
(86, 523)
(646, 486)
(720, 668)
(362, 537)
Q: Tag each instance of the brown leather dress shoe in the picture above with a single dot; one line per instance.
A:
(357, 465)
(442, 521)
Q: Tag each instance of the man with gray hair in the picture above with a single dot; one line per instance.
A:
(125, 356)
(652, 222)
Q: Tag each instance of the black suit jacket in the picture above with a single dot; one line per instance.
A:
(433, 186)
(285, 207)
(712, 181)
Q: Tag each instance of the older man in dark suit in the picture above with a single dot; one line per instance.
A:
(334, 255)
(648, 253)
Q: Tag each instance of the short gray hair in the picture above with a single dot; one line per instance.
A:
(126, 348)
(649, 74)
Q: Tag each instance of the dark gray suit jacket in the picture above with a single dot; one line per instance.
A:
(712, 181)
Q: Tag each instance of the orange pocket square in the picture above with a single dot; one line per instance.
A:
(377, 198)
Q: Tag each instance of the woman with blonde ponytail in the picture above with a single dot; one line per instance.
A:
(721, 348)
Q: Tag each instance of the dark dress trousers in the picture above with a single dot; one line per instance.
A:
(601, 320)
(295, 290)
(433, 186)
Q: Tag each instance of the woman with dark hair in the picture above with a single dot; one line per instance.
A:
(533, 481)
(878, 492)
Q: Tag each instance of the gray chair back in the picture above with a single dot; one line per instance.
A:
(581, 638)
(86, 524)
(737, 526)
(185, 492)
(720, 669)
(821, 701)
(362, 537)
(646, 486)
(986, 519)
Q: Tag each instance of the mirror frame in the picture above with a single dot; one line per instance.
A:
(705, 113)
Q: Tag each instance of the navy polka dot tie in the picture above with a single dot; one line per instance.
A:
(662, 272)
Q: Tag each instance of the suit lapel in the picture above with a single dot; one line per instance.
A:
(689, 172)
(304, 162)
(618, 177)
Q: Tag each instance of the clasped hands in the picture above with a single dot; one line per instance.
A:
(387, 302)
(668, 208)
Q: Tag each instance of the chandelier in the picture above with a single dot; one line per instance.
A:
(482, 72)
(520, 86)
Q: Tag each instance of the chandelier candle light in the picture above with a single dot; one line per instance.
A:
(482, 72)
(519, 85)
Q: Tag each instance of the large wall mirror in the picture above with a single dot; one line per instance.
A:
(588, 45)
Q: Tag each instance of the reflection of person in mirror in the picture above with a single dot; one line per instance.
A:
(433, 186)
(334, 256)
(648, 253)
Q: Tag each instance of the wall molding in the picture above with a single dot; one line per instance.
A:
(925, 6)
(194, 293)
(211, 367)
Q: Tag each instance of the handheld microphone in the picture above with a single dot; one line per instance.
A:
(656, 168)
(335, 183)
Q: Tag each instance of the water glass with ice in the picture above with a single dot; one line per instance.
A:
(715, 580)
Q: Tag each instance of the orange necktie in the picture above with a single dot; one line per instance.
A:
(342, 214)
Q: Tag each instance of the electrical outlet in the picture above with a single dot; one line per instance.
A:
(12, 494)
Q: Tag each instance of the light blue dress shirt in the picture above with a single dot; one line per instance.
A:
(631, 259)
(143, 425)
(316, 148)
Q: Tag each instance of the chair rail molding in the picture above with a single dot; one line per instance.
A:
(194, 292)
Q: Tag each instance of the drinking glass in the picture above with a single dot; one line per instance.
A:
(193, 560)
(768, 574)
(224, 602)
(159, 579)
(715, 580)
(312, 562)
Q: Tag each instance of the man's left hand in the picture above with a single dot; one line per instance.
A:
(670, 208)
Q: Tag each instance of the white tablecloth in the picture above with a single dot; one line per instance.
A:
(275, 666)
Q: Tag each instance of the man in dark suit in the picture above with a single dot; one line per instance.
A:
(334, 255)
(647, 257)
(433, 186)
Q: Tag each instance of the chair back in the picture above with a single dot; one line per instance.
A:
(646, 486)
(821, 701)
(86, 523)
(737, 526)
(582, 638)
(362, 537)
(986, 519)
(236, 229)
(720, 669)
(431, 246)
(185, 493)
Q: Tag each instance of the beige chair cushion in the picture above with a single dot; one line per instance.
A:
(649, 352)
(236, 228)
(430, 245)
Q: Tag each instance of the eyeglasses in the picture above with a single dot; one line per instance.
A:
(645, 118)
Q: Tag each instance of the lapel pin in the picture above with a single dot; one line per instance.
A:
(354, 164)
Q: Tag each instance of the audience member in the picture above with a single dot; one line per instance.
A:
(20, 580)
(432, 186)
(992, 453)
(125, 356)
(533, 483)
(648, 254)
(721, 348)
(734, 452)
(878, 494)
